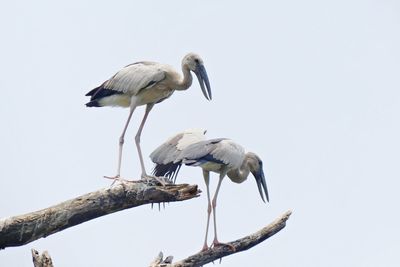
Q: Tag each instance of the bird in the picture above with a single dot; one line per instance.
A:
(219, 155)
(146, 83)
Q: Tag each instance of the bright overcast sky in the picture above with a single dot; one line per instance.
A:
(312, 87)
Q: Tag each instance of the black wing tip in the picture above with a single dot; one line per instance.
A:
(169, 170)
(93, 103)
(93, 91)
(101, 92)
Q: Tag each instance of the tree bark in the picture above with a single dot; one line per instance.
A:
(219, 252)
(22, 229)
(203, 257)
(41, 260)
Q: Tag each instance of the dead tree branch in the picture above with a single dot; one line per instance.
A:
(216, 253)
(41, 260)
(22, 229)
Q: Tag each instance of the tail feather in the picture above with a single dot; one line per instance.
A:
(169, 170)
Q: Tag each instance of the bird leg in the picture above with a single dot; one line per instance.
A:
(214, 207)
(206, 175)
(137, 138)
(121, 142)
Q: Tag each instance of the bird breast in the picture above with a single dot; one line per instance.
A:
(212, 166)
(154, 94)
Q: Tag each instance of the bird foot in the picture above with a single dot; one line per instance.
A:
(205, 248)
(116, 178)
(154, 180)
(216, 243)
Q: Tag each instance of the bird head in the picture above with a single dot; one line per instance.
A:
(256, 168)
(196, 64)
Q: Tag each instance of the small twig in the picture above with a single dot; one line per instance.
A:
(239, 245)
(159, 261)
(41, 260)
(22, 229)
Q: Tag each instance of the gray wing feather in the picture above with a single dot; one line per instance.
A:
(199, 150)
(221, 149)
(230, 153)
(135, 77)
(169, 151)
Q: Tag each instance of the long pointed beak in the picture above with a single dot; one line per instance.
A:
(261, 184)
(203, 78)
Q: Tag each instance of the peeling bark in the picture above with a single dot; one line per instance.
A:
(216, 253)
(22, 229)
(41, 260)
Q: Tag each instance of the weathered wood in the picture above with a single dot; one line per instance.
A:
(41, 260)
(159, 261)
(22, 229)
(239, 245)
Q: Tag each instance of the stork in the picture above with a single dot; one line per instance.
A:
(146, 83)
(219, 155)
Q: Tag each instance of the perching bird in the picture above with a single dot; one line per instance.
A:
(220, 155)
(146, 83)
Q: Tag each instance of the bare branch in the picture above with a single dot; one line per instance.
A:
(41, 260)
(159, 261)
(22, 229)
(200, 258)
(216, 253)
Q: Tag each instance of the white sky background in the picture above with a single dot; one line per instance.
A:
(311, 87)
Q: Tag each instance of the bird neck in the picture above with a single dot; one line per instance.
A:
(239, 175)
(186, 82)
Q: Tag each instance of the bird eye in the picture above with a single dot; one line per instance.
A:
(197, 61)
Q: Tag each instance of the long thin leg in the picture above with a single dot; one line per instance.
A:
(137, 138)
(206, 175)
(214, 205)
(122, 139)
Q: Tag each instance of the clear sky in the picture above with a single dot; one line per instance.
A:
(312, 87)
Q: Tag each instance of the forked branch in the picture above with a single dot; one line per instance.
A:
(216, 253)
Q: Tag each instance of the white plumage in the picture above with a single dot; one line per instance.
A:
(189, 137)
(146, 83)
(137, 76)
(218, 155)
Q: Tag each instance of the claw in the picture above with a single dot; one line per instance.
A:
(205, 248)
(159, 180)
(116, 178)
(216, 243)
